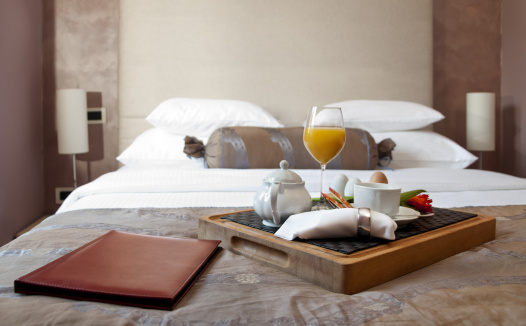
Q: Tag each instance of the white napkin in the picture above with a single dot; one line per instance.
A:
(334, 223)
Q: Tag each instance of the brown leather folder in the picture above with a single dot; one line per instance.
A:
(123, 268)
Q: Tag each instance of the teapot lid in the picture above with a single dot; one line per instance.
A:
(283, 174)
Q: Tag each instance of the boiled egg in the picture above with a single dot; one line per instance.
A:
(378, 177)
(338, 183)
(349, 187)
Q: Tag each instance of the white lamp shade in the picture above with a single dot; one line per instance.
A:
(72, 121)
(480, 117)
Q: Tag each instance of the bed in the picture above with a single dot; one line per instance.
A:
(160, 191)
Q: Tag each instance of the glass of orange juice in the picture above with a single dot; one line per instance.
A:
(324, 138)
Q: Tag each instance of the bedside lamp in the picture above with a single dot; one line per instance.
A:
(480, 118)
(72, 124)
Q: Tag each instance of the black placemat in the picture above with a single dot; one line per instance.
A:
(441, 218)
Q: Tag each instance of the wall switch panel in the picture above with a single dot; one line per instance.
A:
(61, 194)
(96, 115)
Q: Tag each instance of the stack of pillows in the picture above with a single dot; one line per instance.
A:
(403, 122)
(176, 118)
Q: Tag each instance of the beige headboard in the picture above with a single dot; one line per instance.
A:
(284, 55)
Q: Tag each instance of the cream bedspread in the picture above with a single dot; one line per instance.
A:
(485, 285)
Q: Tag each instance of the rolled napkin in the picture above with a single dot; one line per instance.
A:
(334, 223)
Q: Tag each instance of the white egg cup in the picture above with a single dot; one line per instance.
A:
(379, 197)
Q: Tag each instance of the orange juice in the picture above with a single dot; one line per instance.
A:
(324, 143)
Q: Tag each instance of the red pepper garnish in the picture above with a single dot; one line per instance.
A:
(422, 203)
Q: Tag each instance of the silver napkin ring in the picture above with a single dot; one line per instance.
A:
(364, 222)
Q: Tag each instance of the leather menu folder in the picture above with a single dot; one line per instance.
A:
(124, 268)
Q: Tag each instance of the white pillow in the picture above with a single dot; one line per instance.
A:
(154, 147)
(381, 116)
(200, 117)
(416, 149)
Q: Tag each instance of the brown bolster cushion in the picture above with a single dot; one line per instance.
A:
(264, 148)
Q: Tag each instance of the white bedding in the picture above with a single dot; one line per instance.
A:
(166, 186)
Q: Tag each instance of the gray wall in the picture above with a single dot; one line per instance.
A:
(513, 115)
(80, 50)
(21, 158)
(467, 39)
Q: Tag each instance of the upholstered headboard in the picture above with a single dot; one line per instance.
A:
(283, 55)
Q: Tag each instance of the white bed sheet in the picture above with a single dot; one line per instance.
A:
(166, 186)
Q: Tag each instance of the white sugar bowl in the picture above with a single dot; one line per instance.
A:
(282, 194)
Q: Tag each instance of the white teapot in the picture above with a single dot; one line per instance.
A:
(282, 194)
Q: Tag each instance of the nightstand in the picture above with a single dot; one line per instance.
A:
(30, 226)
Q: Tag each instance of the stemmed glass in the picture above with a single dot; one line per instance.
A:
(324, 138)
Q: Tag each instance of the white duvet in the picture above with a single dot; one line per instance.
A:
(163, 186)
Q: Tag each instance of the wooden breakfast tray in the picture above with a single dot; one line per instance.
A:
(348, 273)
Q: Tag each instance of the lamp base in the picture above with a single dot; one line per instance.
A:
(74, 172)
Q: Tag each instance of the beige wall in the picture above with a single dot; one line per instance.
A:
(21, 172)
(284, 55)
